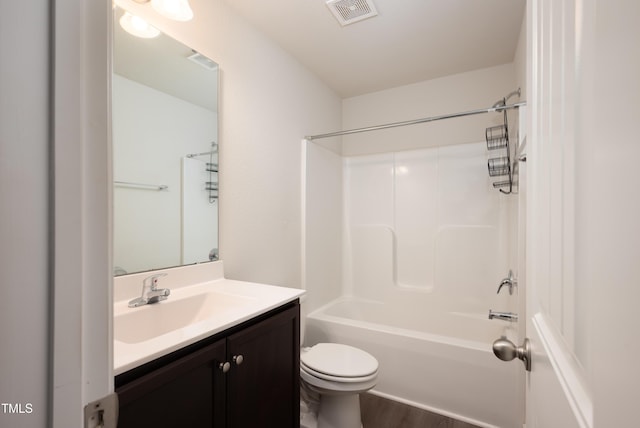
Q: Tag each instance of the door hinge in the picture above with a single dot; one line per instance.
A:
(102, 413)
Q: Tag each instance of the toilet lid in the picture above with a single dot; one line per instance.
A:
(339, 360)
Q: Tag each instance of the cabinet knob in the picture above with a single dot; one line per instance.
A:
(225, 366)
(238, 359)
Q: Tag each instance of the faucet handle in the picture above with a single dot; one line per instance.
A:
(510, 281)
(138, 301)
(150, 292)
(152, 281)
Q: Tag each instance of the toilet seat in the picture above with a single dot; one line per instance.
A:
(324, 376)
(338, 363)
(329, 387)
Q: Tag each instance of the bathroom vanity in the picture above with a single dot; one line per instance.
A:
(236, 366)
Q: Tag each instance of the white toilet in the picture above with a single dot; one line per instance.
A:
(338, 373)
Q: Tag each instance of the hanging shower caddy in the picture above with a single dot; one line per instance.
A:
(211, 168)
(500, 165)
(212, 186)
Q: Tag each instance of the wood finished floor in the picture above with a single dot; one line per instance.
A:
(378, 412)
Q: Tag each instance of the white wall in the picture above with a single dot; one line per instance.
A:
(520, 60)
(24, 222)
(152, 132)
(269, 101)
(452, 94)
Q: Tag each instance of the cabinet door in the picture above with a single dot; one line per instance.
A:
(264, 389)
(189, 392)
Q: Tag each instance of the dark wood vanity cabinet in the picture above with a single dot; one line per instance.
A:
(187, 392)
(190, 388)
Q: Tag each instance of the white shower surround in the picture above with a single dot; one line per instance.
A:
(425, 219)
(425, 242)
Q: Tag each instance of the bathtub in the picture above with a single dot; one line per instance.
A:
(435, 356)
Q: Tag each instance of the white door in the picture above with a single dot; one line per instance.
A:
(555, 394)
(583, 237)
(555, 387)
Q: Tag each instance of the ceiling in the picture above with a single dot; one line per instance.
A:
(409, 41)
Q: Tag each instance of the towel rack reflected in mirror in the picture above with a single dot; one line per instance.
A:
(158, 187)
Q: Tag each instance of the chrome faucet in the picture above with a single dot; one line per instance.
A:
(150, 292)
(505, 316)
(510, 281)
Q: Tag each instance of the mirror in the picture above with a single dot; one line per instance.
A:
(165, 160)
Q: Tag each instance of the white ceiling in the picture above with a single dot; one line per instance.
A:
(409, 41)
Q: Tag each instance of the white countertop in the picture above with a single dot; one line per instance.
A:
(256, 299)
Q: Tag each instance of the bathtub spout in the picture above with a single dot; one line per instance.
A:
(505, 316)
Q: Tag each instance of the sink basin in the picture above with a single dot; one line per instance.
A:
(200, 305)
(150, 321)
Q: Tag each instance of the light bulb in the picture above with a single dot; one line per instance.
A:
(137, 26)
(139, 23)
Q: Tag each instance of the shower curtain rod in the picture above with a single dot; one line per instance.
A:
(416, 121)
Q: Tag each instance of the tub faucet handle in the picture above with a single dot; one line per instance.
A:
(509, 281)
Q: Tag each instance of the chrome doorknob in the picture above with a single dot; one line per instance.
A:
(504, 349)
(238, 359)
(224, 367)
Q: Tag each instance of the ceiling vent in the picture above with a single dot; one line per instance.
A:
(350, 11)
(203, 61)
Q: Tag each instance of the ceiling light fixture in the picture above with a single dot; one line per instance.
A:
(203, 61)
(138, 27)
